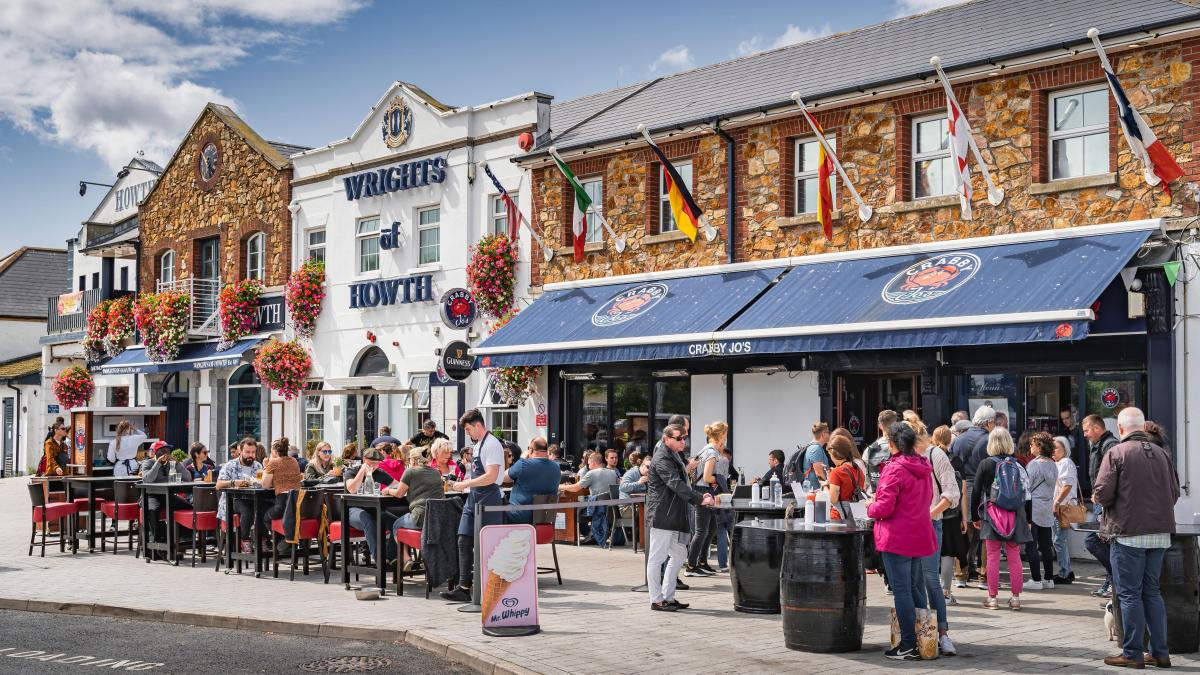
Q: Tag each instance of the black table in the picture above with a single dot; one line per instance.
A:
(258, 496)
(163, 490)
(90, 484)
(743, 509)
(376, 504)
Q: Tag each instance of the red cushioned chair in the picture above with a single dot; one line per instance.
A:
(201, 520)
(124, 506)
(411, 540)
(309, 530)
(333, 508)
(543, 526)
(237, 519)
(45, 512)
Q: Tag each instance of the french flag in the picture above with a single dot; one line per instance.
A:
(1160, 166)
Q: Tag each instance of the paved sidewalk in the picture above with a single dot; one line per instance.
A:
(590, 624)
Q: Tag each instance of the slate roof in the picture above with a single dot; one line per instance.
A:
(28, 276)
(21, 367)
(287, 149)
(963, 35)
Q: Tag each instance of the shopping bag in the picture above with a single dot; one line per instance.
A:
(927, 635)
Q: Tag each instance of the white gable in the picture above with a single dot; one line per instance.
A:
(122, 199)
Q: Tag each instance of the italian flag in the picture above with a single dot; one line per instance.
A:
(583, 202)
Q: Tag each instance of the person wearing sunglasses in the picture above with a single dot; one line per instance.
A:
(669, 498)
(321, 464)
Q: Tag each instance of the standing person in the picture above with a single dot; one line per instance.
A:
(723, 519)
(281, 474)
(1043, 476)
(1066, 491)
(385, 436)
(810, 464)
(706, 483)
(971, 449)
(1138, 487)
(1024, 449)
(1069, 429)
(1100, 441)
(1001, 519)
(945, 495)
(954, 531)
(903, 529)
(879, 451)
(846, 479)
(427, 435)
(667, 500)
(531, 476)
(198, 464)
(242, 468)
(122, 452)
(56, 451)
(487, 473)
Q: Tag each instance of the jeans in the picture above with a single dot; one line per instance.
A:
(724, 538)
(407, 522)
(927, 591)
(1016, 575)
(1040, 552)
(1135, 580)
(698, 550)
(600, 525)
(364, 520)
(1062, 548)
(665, 546)
(1101, 549)
(904, 574)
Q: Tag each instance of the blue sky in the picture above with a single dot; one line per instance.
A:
(88, 83)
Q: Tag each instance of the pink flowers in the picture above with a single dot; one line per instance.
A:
(514, 384)
(238, 310)
(162, 319)
(283, 366)
(97, 331)
(73, 387)
(305, 291)
(492, 274)
(120, 325)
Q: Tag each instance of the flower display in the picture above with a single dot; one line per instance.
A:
(492, 273)
(120, 325)
(283, 366)
(305, 291)
(162, 319)
(238, 311)
(97, 331)
(513, 384)
(73, 387)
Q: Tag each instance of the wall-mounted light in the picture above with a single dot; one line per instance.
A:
(578, 377)
(767, 370)
(670, 373)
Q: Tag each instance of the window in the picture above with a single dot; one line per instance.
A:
(666, 218)
(1078, 133)
(368, 245)
(255, 256)
(314, 418)
(504, 424)
(808, 153)
(594, 187)
(429, 235)
(418, 382)
(82, 282)
(95, 280)
(499, 214)
(166, 268)
(316, 244)
(931, 170)
(124, 279)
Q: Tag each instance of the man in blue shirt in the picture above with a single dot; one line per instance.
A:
(814, 462)
(533, 475)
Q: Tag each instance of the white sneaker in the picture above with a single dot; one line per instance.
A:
(959, 583)
(1047, 584)
(1033, 585)
(947, 646)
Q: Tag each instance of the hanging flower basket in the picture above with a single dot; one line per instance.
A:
(73, 387)
(283, 366)
(513, 384)
(97, 331)
(120, 325)
(238, 311)
(162, 319)
(492, 273)
(305, 291)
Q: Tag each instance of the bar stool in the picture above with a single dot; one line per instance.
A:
(124, 506)
(201, 520)
(44, 512)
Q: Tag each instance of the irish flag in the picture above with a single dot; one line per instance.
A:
(583, 202)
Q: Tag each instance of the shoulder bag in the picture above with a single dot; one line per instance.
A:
(1072, 513)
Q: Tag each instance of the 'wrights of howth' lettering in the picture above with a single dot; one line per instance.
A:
(395, 178)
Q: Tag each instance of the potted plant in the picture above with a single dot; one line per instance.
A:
(492, 274)
(120, 325)
(238, 311)
(162, 319)
(305, 291)
(283, 366)
(74, 387)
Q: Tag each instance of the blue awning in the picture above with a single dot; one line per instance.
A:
(192, 356)
(631, 321)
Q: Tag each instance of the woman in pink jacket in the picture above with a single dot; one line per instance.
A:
(903, 530)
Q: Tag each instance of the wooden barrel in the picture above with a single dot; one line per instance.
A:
(1180, 586)
(755, 558)
(823, 591)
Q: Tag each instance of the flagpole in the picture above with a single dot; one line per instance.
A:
(864, 212)
(995, 194)
(710, 232)
(1147, 169)
(618, 240)
(547, 253)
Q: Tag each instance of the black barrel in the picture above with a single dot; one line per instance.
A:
(755, 559)
(1180, 585)
(823, 591)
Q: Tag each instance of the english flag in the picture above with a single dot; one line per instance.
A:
(960, 145)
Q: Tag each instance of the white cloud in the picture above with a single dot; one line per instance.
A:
(908, 7)
(792, 35)
(117, 76)
(675, 58)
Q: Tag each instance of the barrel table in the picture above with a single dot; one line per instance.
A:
(755, 559)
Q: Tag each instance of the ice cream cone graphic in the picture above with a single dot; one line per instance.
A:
(505, 565)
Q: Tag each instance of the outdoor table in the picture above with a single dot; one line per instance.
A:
(377, 504)
(755, 559)
(233, 552)
(90, 484)
(744, 508)
(164, 490)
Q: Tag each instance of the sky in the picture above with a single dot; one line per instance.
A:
(86, 84)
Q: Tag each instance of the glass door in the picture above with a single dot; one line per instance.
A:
(862, 397)
(1107, 394)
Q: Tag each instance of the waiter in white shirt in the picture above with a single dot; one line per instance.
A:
(122, 452)
(487, 471)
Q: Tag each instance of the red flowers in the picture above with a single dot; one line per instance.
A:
(238, 310)
(120, 325)
(283, 366)
(73, 387)
(97, 331)
(162, 319)
(492, 273)
(305, 291)
(514, 384)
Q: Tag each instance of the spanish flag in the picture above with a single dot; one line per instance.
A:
(688, 217)
(824, 173)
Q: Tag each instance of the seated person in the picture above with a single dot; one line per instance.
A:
(612, 460)
(775, 460)
(295, 454)
(198, 464)
(157, 469)
(443, 459)
(241, 469)
(321, 464)
(365, 520)
(281, 474)
(636, 479)
(533, 475)
(394, 461)
(427, 435)
(420, 483)
(554, 453)
(597, 480)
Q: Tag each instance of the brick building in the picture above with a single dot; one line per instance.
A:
(771, 327)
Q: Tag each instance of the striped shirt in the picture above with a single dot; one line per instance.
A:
(1162, 540)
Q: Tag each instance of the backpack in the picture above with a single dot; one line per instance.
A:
(794, 470)
(1007, 491)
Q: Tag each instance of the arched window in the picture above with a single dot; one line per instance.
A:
(373, 362)
(166, 267)
(256, 256)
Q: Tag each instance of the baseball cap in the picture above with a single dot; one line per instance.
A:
(373, 454)
(160, 448)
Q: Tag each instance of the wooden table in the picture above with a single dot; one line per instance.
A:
(163, 490)
(90, 484)
(233, 552)
(569, 532)
(377, 504)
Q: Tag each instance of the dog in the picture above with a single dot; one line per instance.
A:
(1110, 621)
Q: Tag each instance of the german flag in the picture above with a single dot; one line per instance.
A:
(688, 217)
(824, 173)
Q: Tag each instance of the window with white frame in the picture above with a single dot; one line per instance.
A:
(429, 235)
(808, 157)
(931, 170)
(1079, 133)
(166, 269)
(316, 244)
(666, 218)
(255, 256)
(367, 238)
(314, 417)
(504, 423)
(418, 382)
(498, 223)
(594, 187)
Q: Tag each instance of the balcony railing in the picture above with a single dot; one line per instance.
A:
(74, 311)
(204, 294)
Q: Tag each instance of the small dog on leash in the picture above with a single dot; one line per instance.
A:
(1110, 621)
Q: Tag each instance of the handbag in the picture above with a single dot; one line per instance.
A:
(926, 629)
(1072, 513)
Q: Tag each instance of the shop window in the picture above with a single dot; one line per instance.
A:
(316, 244)
(314, 418)
(671, 397)
(245, 414)
(118, 397)
(808, 153)
(504, 424)
(594, 187)
(429, 236)
(256, 256)
(931, 170)
(666, 217)
(623, 416)
(367, 238)
(498, 223)
(593, 419)
(166, 269)
(1079, 133)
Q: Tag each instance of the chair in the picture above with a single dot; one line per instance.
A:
(44, 512)
(200, 520)
(336, 523)
(618, 520)
(543, 527)
(310, 529)
(123, 506)
(411, 540)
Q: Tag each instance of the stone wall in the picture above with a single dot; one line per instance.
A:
(248, 194)
(1009, 116)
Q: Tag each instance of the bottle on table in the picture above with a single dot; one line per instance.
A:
(173, 475)
(776, 491)
(810, 509)
(368, 486)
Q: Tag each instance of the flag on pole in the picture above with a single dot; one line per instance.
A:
(579, 223)
(824, 173)
(687, 215)
(960, 145)
(513, 214)
(864, 212)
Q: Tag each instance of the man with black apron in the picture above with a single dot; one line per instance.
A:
(487, 471)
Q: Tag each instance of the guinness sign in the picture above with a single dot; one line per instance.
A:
(457, 362)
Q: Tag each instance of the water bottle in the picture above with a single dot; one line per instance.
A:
(173, 476)
(776, 491)
(810, 509)
(368, 485)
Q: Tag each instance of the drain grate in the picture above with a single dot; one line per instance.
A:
(346, 664)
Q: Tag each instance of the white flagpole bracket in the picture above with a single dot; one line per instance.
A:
(864, 212)
(710, 232)
(995, 194)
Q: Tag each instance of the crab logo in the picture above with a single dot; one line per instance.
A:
(629, 305)
(931, 278)
(458, 309)
(1110, 397)
(854, 425)
(1063, 331)
(397, 123)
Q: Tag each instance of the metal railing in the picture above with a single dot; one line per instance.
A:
(74, 322)
(205, 296)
